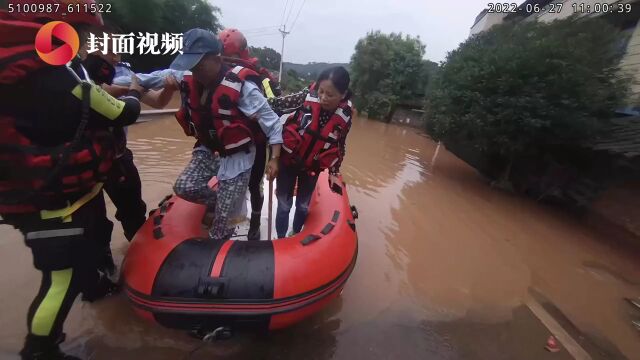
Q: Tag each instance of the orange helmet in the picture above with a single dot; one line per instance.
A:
(234, 43)
(58, 10)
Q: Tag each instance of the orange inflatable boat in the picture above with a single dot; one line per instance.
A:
(174, 275)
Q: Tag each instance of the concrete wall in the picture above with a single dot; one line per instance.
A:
(568, 10)
(486, 22)
(411, 117)
(631, 64)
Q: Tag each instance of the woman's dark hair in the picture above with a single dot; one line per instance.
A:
(340, 78)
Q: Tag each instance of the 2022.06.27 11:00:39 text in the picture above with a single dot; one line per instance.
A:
(577, 8)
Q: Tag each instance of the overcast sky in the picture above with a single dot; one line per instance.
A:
(327, 30)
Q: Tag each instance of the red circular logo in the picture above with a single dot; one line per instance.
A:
(57, 54)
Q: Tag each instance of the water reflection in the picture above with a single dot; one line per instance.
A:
(440, 252)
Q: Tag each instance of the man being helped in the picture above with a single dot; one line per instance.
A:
(55, 152)
(221, 106)
(236, 53)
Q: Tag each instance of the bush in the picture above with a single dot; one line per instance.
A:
(268, 57)
(292, 82)
(518, 88)
(378, 105)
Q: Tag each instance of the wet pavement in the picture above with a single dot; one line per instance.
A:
(447, 267)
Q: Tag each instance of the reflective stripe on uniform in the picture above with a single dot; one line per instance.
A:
(312, 98)
(328, 144)
(101, 102)
(344, 117)
(235, 86)
(46, 234)
(237, 144)
(266, 85)
(47, 312)
(66, 212)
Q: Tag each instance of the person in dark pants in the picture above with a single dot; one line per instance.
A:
(55, 152)
(255, 191)
(286, 183)
(124, 188)
(124, 185)
(68, 266)
(314, 140)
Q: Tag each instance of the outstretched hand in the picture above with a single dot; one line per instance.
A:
(135, 85)
(171, 83)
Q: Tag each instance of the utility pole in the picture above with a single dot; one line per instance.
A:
(284, 33)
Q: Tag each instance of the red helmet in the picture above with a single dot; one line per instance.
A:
(69, 11)
(234, 43)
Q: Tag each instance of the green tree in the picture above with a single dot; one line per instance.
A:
(387, 69)
(292, 82)
(268, 57)
(430, 71)
(518, 89)
(160, 16)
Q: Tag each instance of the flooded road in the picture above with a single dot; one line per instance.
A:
(446, 269)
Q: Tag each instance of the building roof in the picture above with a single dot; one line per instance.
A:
(480, 16)
(623, 138)
(522, 9)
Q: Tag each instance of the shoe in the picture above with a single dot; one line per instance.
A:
(44, 348)
(103, 289)
(292, 233)
(254, 227)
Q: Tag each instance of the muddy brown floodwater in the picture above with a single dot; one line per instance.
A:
(445, 268)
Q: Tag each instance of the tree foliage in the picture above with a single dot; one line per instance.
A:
(310, 71)
(293, 82)
(518, 88)
(160, 16)
(387, 69)
(268, 57)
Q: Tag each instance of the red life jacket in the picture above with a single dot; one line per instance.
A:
(268, 84)
(309, 146)
(18, 55)
(219, 124)
(32, 177)
(252, 64)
